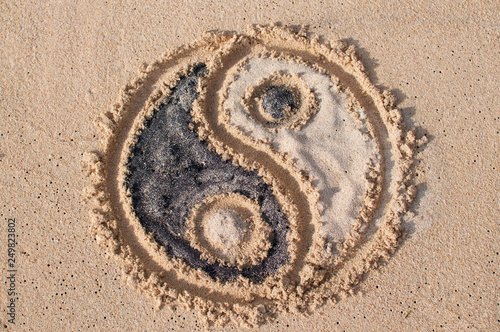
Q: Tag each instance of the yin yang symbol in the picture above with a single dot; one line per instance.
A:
(247, 174)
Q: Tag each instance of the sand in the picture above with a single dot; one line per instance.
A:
(62, 70)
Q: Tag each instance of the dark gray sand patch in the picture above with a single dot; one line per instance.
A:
(171, 171)
(277, 101)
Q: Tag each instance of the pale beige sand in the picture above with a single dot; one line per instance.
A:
(327, 147)
(63, 64)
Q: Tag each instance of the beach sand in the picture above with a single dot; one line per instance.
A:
(63, 65)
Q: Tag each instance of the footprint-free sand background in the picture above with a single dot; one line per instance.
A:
(62, 63)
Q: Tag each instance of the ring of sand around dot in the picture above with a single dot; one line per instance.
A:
(229, 229)
(294, 117)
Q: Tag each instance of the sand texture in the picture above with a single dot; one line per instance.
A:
(175, 167)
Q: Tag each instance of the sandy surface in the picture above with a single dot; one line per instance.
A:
(63, 64)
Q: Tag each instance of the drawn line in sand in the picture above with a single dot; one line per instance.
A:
(248, 174)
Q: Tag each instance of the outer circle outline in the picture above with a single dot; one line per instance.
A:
(102, 168)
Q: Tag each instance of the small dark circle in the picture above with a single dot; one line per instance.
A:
(277, 100)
